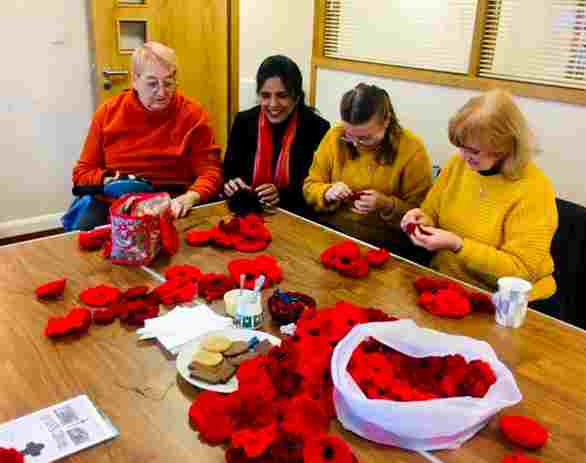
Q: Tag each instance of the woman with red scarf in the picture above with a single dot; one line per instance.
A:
(271, 146)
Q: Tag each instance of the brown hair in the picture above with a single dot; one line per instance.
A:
(360, 105)
(494, 121)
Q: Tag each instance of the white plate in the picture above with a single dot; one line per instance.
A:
(186, 355)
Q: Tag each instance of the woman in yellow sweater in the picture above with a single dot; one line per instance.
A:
(492, 211)
(368, 170)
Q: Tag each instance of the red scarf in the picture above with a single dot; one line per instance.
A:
(263, 161)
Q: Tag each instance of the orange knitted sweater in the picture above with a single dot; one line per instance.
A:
(173, 147)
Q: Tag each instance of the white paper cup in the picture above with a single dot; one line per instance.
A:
(245, 307)
(231, 299)
(511, 301)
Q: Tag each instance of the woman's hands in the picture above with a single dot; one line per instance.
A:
(339, 191)
(436, 239)
(181, 205)
(268, 193)
(416, 216)
(371, 201)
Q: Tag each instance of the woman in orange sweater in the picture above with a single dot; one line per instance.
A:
(492, 211)
(154, 132)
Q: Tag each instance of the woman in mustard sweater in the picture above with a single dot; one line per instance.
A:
(492, 211)
(368, 170)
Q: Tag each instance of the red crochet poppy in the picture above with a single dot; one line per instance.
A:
(428, 284)
(519, 458)
(357, 269)
(169, 234)
(100, 296)
(198, 237)
(253, 227)
(94, 239)
(287, 449)
(377, 257)
(327, 449)
(221, 239)
(481, 302)
(448, 303)
(252, 268)
(51, 290)
(255, 442)
(230, 225)
(136, 312)
(105, 316)
(183, 272)
(135, 292)
(176, 291)
(77, 321)
(213, 286)
(244, 244)
(210, 413)
(305, 417)
(10, 456)
(524, 431)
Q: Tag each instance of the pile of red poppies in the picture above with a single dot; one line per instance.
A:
(446, 298)
(345, 257)
(384, 373)
(283, 405)
(245, 234)
(10, 456)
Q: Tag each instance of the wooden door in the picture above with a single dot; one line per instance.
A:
(198, 30)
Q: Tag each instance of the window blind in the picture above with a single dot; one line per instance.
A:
(424, 34)
(538, 41)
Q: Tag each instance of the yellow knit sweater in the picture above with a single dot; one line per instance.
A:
(507, 226)
(407, 180)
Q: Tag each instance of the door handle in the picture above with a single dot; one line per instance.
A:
(114, 72)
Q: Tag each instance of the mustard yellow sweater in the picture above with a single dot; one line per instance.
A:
(507, 226)
(407, 180)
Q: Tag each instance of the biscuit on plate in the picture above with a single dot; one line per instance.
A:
(237, 348)
(219, 374)
(207, 358)
(216, 343)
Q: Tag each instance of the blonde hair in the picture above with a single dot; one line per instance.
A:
(494, 121)
(153, 52)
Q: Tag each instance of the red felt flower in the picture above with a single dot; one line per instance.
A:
(100, 296)
(377, 257)
(198, 237)
(104, 316)
(77, 321)
(481, 302)
(51, 290)
(169, 234)
(135, 292)
(211, 414)
(183, 272)
(524, 431)
(255, 442)
(519, 458)
(213, 286)
(94, 239)
(244, 244)
(328, 449)
(10, 456)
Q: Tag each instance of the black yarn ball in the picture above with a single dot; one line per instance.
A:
(244, 202)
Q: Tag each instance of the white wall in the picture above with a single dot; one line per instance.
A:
(45, 107)
(426, 109)
(269, 28)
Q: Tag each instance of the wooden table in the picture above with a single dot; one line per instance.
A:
(139, 388)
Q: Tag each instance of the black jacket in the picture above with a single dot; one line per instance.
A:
(239, 158)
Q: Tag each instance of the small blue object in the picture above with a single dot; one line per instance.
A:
(72, 218)
(286, 297)
(117, 188)
(252, 342)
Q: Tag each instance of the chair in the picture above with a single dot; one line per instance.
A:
(568, 249)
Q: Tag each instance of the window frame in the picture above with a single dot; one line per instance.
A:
(469, 81)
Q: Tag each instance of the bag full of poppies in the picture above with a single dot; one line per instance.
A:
(142, 226)
(441, 390)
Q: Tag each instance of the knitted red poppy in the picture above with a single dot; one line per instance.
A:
(136, 312)
(100, 296)
(77, 321)
(481, 302)
(519, 458)
(327, 449)
(428, 284)
(10, 456)
(221, 239)
(305, 417)
(357, 269)
(230, 225)
(169, 234)
(94, 239)
(213, 286)
(377, 257)
(51, 290)
(524, 431)
(198, 237)
(210, 415)
(135, 292)
(183, 272)
(244, 244)
(255, 442)
(176, 291)
(252, 268)
(105, 316)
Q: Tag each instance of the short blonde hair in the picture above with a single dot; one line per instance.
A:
(494, 121)
(153, 52)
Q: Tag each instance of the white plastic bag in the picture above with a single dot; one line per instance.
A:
(422, 425)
